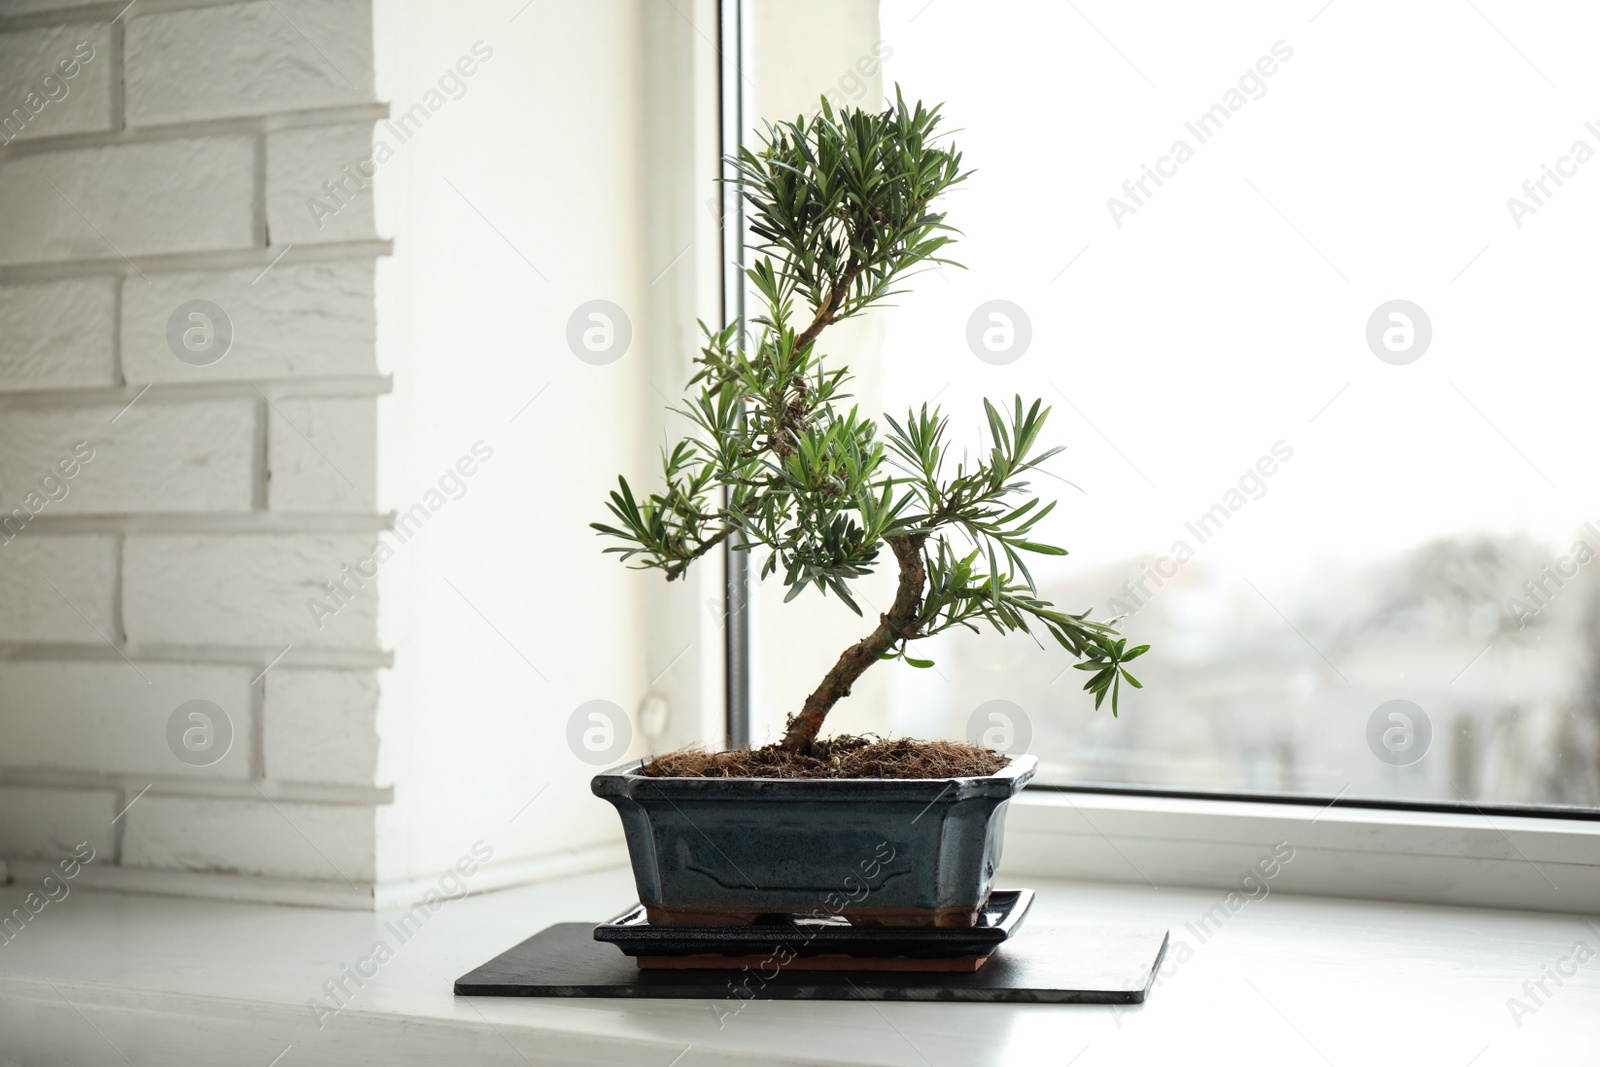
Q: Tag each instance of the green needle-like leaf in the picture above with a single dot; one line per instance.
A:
(844, 206)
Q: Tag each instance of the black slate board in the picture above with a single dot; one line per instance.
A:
(1000, 918)
(1040, 965)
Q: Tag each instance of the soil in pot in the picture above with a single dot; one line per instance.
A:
(846, 756)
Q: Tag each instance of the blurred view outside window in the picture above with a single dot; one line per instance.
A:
(1312, 308)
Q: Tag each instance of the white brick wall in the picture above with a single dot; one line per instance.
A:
(248, 59)
(178, 195)
(244, 589)
(273, 839)
(322, 164)
(176, 562)
(23, 7)
(319, 726)
(58, 334)
(57, 588)
(194, 456)
(48, 824)
(55, 80)
(312, 320)
(323, 454)
(67, 725)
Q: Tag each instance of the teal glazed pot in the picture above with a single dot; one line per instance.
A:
(878, 851)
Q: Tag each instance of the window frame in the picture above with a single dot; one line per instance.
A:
(1491, 855)
(733, 49)
(1473, 859)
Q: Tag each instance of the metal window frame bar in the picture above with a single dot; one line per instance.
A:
(736, 563)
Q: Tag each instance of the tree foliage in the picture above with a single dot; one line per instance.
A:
(841, 205)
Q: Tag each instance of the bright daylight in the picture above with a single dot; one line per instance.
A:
(901, 533)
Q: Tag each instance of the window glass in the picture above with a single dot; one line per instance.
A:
(1310, 300)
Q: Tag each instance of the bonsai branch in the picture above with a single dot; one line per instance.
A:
(899, 624)
(676, 569)
(827, 314)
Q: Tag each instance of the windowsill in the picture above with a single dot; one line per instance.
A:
(1361, 981)
(1470, 860)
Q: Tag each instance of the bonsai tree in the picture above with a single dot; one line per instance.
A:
(842, 206)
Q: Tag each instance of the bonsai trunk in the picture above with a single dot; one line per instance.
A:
(901, 623)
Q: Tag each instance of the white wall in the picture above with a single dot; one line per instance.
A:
(226, 152)
(169, 560)
(565, 173)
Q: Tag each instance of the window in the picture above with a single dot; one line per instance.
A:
(1310, 303)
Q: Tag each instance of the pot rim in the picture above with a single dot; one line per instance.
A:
(625, 781)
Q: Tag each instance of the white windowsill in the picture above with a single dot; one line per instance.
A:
(1384, 854)
(179, 982)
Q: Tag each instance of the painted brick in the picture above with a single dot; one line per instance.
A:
(277, 839)
(83, 568)
(37, 98)
(112, 718)
(27, 7)
(49, 824)
(322, 454)
(180, 195)
(319, 726)
(52, 823)
(243, 589)
(57, 334)
(291, 322)
(302, 164)
(156, 456)
(248, 59)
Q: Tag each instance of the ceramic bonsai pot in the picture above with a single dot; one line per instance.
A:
(878, 851)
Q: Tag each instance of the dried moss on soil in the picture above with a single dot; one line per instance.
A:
(835, 757)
